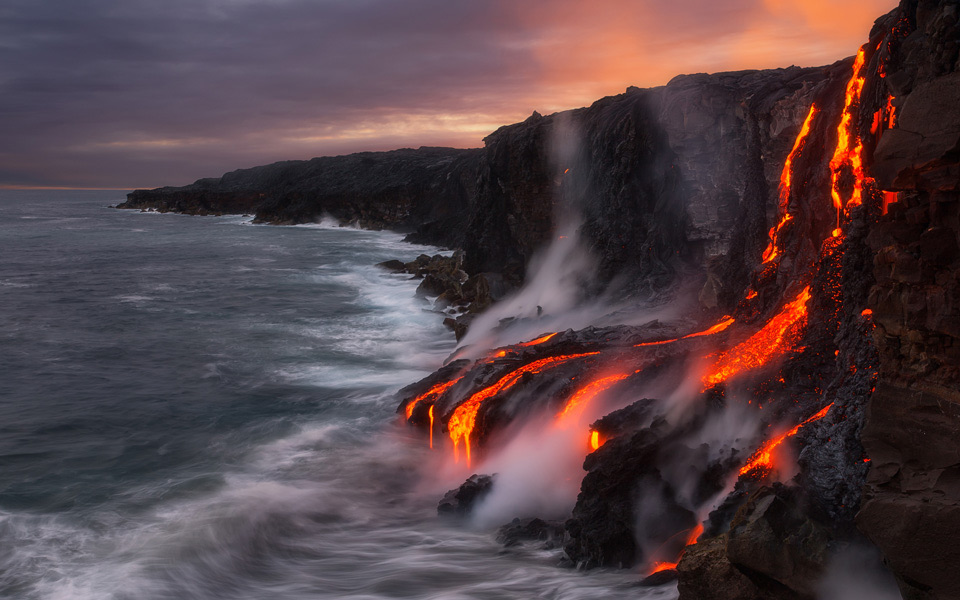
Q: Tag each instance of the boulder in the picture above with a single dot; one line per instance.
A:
(461, 501)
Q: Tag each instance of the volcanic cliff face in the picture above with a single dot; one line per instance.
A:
(911, 507)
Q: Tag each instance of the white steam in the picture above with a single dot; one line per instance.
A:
(858, 574)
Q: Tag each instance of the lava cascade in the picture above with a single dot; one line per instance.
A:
(849, 150)
(776, 338)
(463, 419)
(786, 176)
(578, 401)
(761, 461)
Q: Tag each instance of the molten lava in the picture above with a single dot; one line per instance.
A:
(539, 340)
(434, 392)
(762, 459)
(775, 339)
(579, 400)
(773, 248)
(726, 322)
(595, 442)
(691, 540)
(464, 418)
(430, 414)
(849, 150)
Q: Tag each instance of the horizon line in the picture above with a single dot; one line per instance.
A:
(69, 188)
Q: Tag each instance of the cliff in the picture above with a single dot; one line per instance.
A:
(427, 188)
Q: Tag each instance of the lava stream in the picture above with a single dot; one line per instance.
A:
(775, 339)
(434, 392)
(762, 459)
(464, 418)
(849, 150)
(773, 248)
(691, 540)
(726, 322)
(579, 400)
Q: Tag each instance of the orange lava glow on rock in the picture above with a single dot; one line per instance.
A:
(888, 199)
(691, 540)
(430, 414)
(775, 339)
(762, 459)
(595, 442)
(891, 111)
(726, 322)
(434, 392)
(579, 400)
(751, 295)
(464, 418)
(773, 248)
(539, 340)
(866, 312)
(849, 150)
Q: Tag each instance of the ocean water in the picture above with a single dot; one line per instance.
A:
(198, 407)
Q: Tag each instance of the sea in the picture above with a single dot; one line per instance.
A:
(201, 407)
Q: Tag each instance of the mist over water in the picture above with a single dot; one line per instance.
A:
(201, 408)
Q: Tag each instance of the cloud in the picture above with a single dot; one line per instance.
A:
(140, 93)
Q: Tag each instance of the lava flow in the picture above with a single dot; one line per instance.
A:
(434, 392)
(726, 322)
(464, 418)
(773, 248)
(775, 339)
(762, 460)
(691, 540)
(849, 150)
(579, 400)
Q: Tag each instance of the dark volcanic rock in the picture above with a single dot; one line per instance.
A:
(607, 520)
(531, 529)
(462, 500)
(426, 188)
(774, 551)
(911, 501)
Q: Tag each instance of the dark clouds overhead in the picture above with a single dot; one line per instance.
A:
(143, 93)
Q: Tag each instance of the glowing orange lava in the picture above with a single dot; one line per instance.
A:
(849, 150)
(595, 442)
(762, 459)
(726, 322)
(773, 248)
(539, 340)
(888, 199)
(579, 400)
(430, 413)
(433, 392)
(751, 295)
(464, 418)
(691, 540)
(775, 339)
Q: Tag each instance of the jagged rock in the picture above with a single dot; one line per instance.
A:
(705, 571)
(605, 523)
(911, 508)
(773, 536)
(462, 500)
(521, 530)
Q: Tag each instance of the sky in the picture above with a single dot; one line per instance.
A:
(145, 93)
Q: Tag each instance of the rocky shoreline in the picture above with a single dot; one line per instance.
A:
(817, 214)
